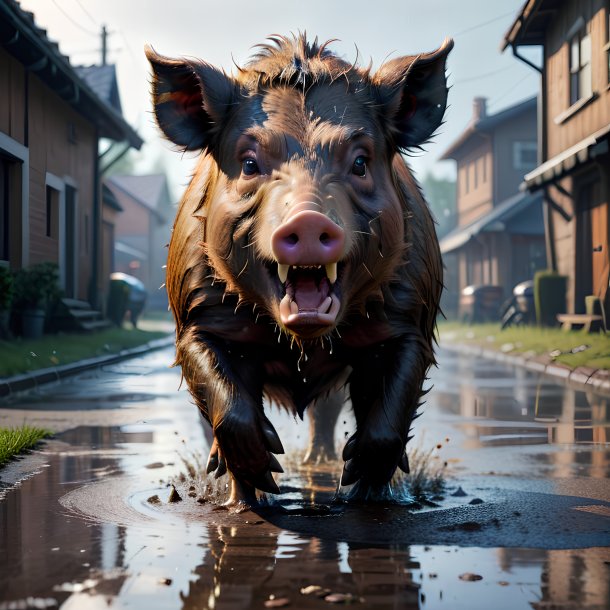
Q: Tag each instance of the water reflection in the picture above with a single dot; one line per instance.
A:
(503, 405)
(117, 551)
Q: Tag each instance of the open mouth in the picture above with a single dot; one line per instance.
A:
(309, 299)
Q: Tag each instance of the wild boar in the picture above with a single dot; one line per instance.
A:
(303, 257)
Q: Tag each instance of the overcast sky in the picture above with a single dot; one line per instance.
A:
(224, 31)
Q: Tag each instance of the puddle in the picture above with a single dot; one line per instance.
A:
(525, 519)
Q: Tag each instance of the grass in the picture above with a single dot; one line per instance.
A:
(566, 347)
(17, 440)
(21, 356)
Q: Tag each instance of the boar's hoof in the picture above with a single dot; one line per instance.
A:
(319, 454)
(367, 492)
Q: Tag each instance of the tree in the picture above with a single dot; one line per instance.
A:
(440, 194)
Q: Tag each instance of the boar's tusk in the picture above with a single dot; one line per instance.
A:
(331, 272)
(282, 271)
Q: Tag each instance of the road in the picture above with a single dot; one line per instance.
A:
(524, 521)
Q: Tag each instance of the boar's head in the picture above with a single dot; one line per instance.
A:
(302, 204)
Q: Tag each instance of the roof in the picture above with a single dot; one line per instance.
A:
(531, 24)
(520, 214)
(28, 43)
(568, 160)
(109, 199)
(102, 79)
(149, 191)
(487, 124)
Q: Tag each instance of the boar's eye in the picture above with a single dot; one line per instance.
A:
(359, 166)
(249, 167)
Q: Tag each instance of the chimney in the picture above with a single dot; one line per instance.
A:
(479, 108)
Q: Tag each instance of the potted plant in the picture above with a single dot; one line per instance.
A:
(6, 300)
(35, 288)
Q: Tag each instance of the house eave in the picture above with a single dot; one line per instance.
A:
(22, 39)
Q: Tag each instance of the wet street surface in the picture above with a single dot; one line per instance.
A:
(524, 521)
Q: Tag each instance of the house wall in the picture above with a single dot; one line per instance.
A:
(508, 176)
(133, 227)
(61, 147)
(567, 125)
(475, 179)
(565, 131)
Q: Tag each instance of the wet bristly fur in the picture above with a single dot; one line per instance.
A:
(302, 103)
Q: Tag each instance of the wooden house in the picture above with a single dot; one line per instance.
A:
(142, 230)
(51, 122)
(573, 170)
(499, 239)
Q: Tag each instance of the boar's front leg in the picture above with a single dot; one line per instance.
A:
(385, 388)
(226, 382)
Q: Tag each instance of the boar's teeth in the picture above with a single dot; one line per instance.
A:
(282, 271)
(325, 305)
(331, 272)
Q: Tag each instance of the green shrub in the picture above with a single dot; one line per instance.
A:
(37, 286)
(6, 289)
(549, 296)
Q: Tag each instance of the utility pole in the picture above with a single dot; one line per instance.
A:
(104, 44)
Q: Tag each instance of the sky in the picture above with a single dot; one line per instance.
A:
(223, 32)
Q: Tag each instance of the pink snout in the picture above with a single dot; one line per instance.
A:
(308, 238)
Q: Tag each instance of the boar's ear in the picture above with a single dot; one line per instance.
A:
(414, 94)
(191, 99)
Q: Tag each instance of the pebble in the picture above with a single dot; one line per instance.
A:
(459, 493)
(469, 576)
(277, 602)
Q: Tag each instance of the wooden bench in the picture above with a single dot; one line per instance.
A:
(590, 323)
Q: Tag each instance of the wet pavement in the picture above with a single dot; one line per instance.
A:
(524, 521)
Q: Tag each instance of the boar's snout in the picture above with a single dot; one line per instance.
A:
(308, 238)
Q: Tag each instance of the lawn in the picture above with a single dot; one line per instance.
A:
(572, 348)
(17, 440)
(21, 356)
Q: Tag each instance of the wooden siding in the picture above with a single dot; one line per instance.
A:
(51, 126)
(12, 100)
(596, 114)
(475, 169)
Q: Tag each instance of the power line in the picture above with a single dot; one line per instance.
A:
(484, 23)
(94, 21)
(69, 18)
(472, 78)
(498, 99)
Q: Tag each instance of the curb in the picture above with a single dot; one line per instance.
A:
(598, 379)
(25, 381)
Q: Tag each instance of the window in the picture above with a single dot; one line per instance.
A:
(52, 212)
(524, 156)
(580, 66)
(5, 192)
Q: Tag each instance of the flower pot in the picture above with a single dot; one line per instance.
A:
(32, 323)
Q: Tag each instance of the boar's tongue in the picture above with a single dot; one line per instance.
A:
(307, 292)
(309, 303)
